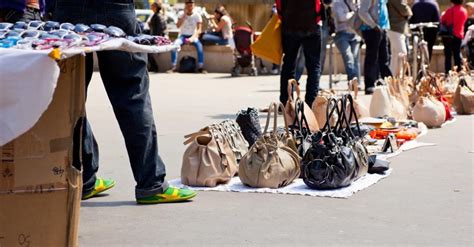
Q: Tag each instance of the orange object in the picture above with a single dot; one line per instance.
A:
(403, 134)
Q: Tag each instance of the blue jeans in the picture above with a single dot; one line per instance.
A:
(311, 43)
(126, 82)
(349, 47)
(300, 61)
(179, 41)
(377, 58)
(214, 38)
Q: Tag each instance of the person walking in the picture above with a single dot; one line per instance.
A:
(190, 26)
(301, 27)
(455, 18)
(374, 15)
(126, 82)
(426, 11)
(222, 34)
(346, 40)
(21, 10)
(399, 12)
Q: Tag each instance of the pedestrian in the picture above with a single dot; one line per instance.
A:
(470, 16)
(126, 81)
(190, 26)
(454, 17)
(21, 10)
(346, 40)
(300, 27)
(426, 11)
(399, 12)
(222, 26)
(374, 15)
(157, 26)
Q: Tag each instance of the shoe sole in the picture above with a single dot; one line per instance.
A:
(159, 202)
(94, 193)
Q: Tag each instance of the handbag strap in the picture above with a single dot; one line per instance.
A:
(330, 109)
(299, 108)
(274, 107)
(293, 83)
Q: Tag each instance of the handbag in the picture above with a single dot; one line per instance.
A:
(235, 138)
(268, 45)
(446, 31)
(290, 113)
(336, 157)
(187, 64)
(271, 162)
(319, 107)
(249, 124)
(209, 159)
(463, 99)
(430, 111)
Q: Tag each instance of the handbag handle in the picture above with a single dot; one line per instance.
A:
(274, 107)
(299, 108)
(293, 83)
(330, 109)
(352, 113)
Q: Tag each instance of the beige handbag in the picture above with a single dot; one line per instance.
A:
(319, 107)
(463, 99)
(360, 109)
(429, 111)
(383, 103)
(209, 159)
(290, 106)
(270, 162)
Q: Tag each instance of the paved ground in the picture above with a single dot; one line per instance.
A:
(427, 201)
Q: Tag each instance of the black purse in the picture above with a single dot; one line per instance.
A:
(249, 124)
(446, 31)
(336, 157)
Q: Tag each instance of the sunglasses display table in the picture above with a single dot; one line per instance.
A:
(42, 98)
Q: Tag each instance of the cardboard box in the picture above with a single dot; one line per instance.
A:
(40, 190)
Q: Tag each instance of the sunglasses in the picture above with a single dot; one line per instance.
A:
(114, 32)
(35, 25)
(5, 26)
(98, 27)
(31, 34)
(20, 25)
(59, 33)
(81, 28)
(67, 26)
(51, 25)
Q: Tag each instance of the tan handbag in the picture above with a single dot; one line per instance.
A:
(290, 115)
(209, 159)
(429, 111)
(360, 109)
(270, 162)
(319, 107)
(381, 102)
(463, 99)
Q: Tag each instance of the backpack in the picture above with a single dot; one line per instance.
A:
(187, 64)
(355, 22)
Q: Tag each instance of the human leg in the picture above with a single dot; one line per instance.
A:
(372, 41)
(448, 50)
(397, 46)
(456, 45)
(312, 52)
(343, 44)
(291, 44)
(174, 54)
(384, 57)
(200, 53)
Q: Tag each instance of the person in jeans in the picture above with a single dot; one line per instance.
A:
(454, 17)
(222, 34)
(399, 12)
(426, 11)
(189, 24)
(374, 15)
(126, 82)
(346, 40)
(21, 10)
(301, 27)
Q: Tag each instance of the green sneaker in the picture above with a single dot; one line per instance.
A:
(101, 185)
(172, 194)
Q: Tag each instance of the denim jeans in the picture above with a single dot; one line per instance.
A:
(179, 41)
(377, 58)
(452, 48)
(311, 43)
(126, 82)
(214, 38)
(348, 45)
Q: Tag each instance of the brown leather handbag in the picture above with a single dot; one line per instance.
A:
(290, 106)
(463, 100)
(209, 159)
(271, 162)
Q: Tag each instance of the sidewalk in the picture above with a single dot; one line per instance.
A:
(427, 200)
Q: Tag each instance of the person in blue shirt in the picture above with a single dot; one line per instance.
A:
(374, 15)
(21, 10)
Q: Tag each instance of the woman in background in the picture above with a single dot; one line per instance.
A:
(222, 34)
(454, 17)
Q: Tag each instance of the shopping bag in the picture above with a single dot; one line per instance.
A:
(268, 44)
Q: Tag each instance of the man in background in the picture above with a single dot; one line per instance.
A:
(20, 10)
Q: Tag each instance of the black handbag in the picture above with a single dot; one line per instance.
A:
(187, 64)
(249, 123)
(336, 157)
(446, 31)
